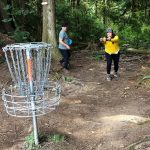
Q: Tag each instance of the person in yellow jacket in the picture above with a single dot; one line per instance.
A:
(111, 52)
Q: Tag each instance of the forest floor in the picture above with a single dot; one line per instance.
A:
(93, 114)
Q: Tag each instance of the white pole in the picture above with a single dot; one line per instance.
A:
(34, 118)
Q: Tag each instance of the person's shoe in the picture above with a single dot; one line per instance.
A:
(68, 67)
(115, 74)
(61, 65)
(108, 78)
(66, 71)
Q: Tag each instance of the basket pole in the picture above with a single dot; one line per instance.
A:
(34, 118)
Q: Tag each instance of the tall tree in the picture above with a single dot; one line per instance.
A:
(105, 13)
(49, 34)
(6, 25)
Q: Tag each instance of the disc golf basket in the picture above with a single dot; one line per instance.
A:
(31, 94)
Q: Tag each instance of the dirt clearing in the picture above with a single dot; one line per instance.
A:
(93, 114)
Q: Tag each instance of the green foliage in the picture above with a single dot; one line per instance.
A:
(7, 20)
(21, 12)
(136, 36)
(68, 79)
(145, 81)
(7, 7)
(133, 25)
(122, 16)
(56, 138)
(26, 17)
(2, 42)
(29, 140)
(83, 24)
(87, 20)
(20, 35)
(29, 143)
(98, 55)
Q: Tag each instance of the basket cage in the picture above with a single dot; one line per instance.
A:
(18, 98)
(16, 57)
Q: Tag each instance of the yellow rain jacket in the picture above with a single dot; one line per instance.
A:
(112, 47)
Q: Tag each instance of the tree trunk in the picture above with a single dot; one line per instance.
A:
(96, 2)
(49, 34)
(7, 27)
(105, 13)
(9, 2)
(78, 2)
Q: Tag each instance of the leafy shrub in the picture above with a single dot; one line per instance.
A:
(20, 36)
(136, 37)
(2, 42)
(56, 138)
(83, 26)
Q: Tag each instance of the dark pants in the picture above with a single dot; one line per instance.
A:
(115, 59)
(65, 60)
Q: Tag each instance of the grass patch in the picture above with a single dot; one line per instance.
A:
(68, 79)
(98, 55)
(56, 138)
(29, 143)
(145, 81)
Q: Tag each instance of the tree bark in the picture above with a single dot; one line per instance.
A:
(105, 14)
(9, 2)
(49, 33)
(96, 2)
(78, 2)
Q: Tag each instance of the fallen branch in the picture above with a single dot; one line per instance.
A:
(146, 137)
(138, 51)
(134, 59)
(89, 45)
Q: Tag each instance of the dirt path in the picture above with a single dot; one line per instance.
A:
(93, 114)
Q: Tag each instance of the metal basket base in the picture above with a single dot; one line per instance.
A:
(20, 104)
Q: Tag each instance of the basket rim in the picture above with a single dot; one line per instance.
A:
(22, 46)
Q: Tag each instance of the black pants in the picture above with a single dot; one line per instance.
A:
(65, 60)
(109, 59)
